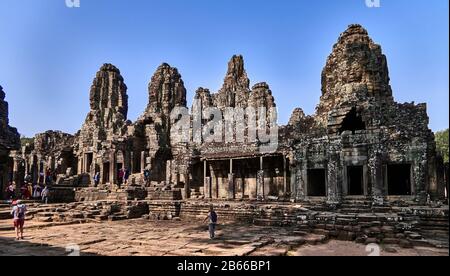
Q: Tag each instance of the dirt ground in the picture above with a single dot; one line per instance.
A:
(180, 238)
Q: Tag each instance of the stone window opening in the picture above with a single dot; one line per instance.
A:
(353, 122)
(399, 179)
(317, 183)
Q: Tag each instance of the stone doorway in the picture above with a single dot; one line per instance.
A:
(317, 186)
(399, 179)
(355, 180)
(106, 169)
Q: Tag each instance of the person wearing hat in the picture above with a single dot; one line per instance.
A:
(19, 211)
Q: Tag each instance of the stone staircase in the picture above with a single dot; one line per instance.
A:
(435, 230)
(355, 205)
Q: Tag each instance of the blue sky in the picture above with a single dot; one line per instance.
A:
(49, 53)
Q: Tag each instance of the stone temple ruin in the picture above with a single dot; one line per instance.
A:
(360, 150)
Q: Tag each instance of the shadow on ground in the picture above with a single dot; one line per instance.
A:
(12, 247)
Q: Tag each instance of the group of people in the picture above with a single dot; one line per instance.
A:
(28, 191)
(48, 177)
(122, 177)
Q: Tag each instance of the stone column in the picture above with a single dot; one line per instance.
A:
(85, 163)
(80, 165)
(206, 181)
(333, 178)
(169, 172)
(41, 168)
(27, 166)
(187, 186)
(16, 175)
(112, 168)
(231, 182)
(376, 179)
(34, 169)
(260, 180)
(143, 161)
(131, 168)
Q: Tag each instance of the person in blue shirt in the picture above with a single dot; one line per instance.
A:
(212, 218)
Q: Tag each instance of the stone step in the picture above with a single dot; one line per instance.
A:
(117, 217)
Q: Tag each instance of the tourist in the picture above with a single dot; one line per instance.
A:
(45, 194)
(30, 189)
(147, 175)
(46, 176)
(97, 179)
(54, 176)
(28, 178)
(126, 176)
(36, 191)
(41, 177)
(212, 218)
(120, 177)
(10, 191)
(24, 192)
(19, 211)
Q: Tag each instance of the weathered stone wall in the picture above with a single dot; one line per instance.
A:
(9, 140)
(364, 126)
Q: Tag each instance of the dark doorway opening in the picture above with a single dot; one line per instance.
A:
(399, 179)
(106, 168)
(355, 180)
(352, 122)
(317, 183)
(89, 160)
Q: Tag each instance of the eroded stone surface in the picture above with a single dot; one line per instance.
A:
(144, 238)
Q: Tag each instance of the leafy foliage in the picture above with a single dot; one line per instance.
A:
(442, 144)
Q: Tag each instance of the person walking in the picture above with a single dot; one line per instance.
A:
(19, 212)
(45, 194)
(147, 176)
(212, 218)
(97, 179)
(36, 191)
(10, 191)
(126, 176)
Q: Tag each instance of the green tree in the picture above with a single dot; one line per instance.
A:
(442, 144)
(25, 140)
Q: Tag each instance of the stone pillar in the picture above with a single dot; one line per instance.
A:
(85, 163)
(294, 183)
(187, 186)
(260, 180)
(34, 169)
(41, 168)
(80, 165)
(169, 172)
(16, 175)
(131, 168)
(214, 183)
(231, 182)
(27, 166)
(376, 179)
(143, 161)
(208, 192)
(112, 168)
(333, 178)
(206, 180)
(101, 171)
